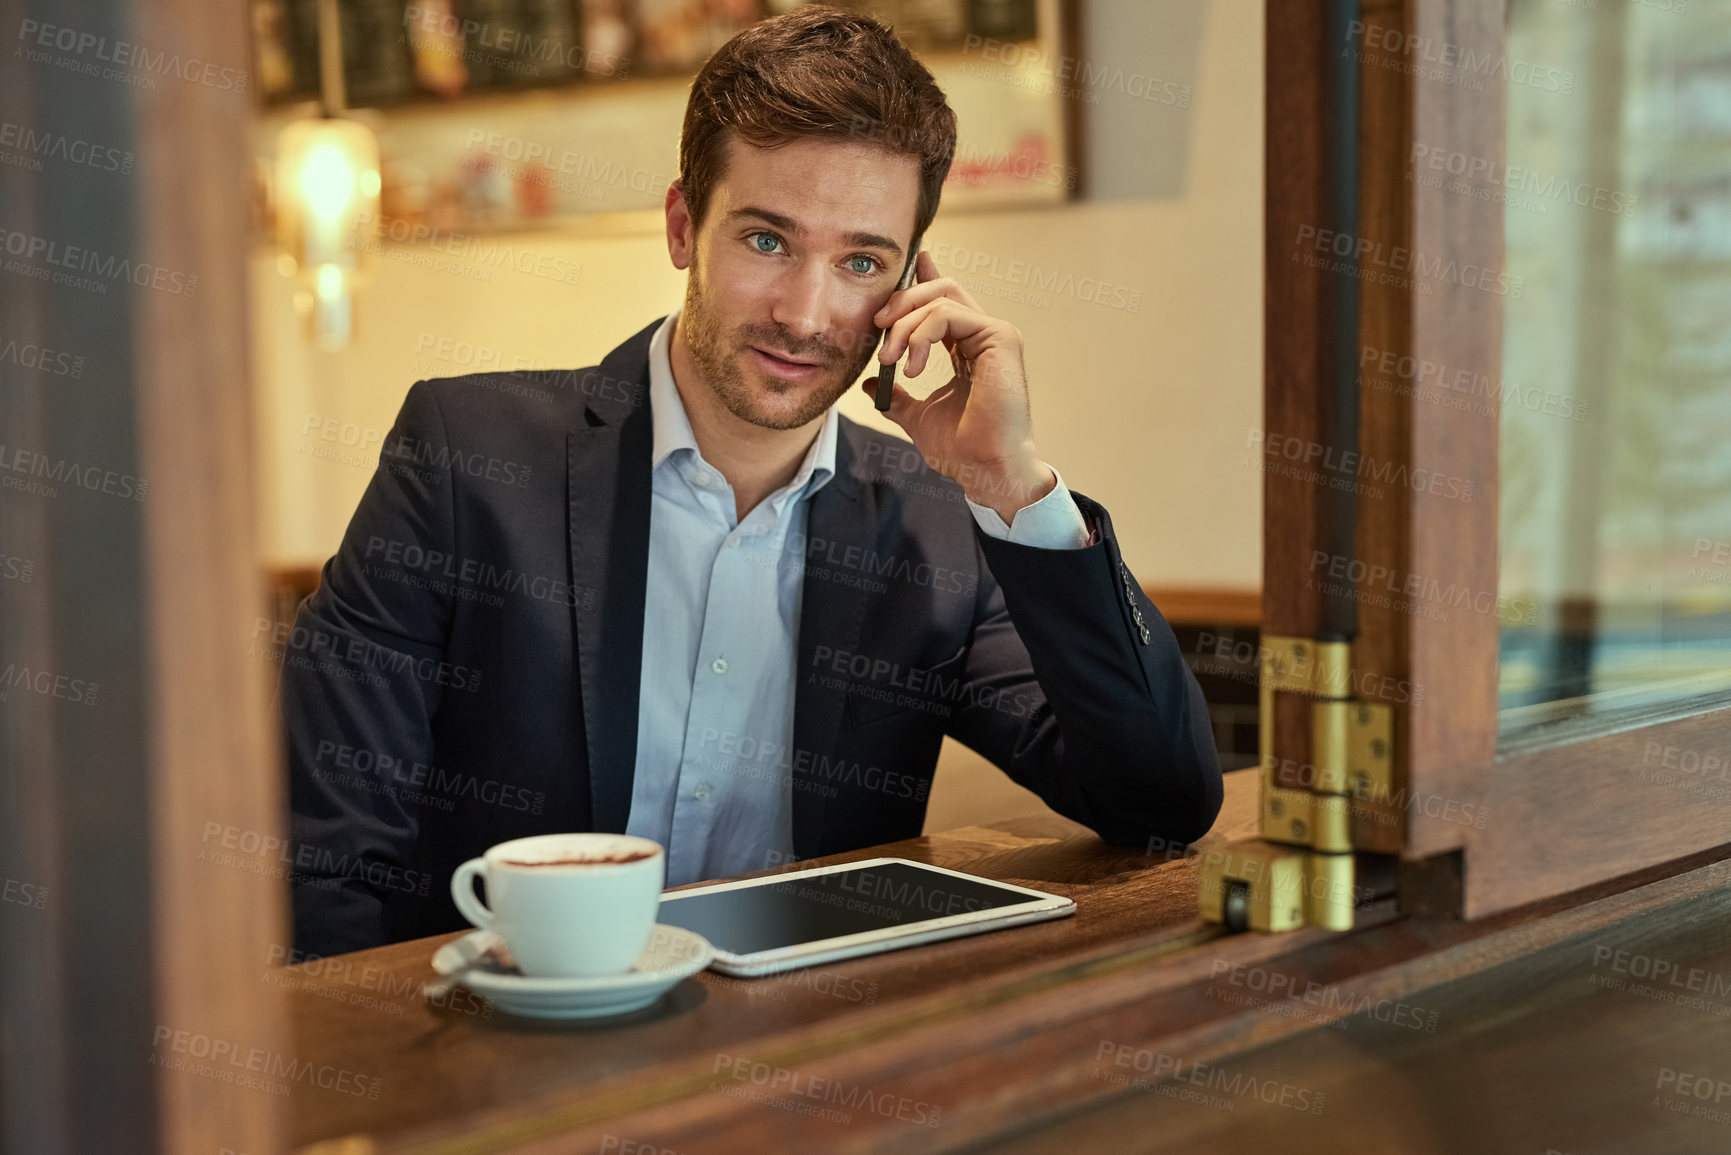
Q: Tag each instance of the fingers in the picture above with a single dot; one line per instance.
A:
(929, 287)
(931, 329)
(943, 320)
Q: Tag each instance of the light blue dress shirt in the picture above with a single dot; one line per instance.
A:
(714, 780)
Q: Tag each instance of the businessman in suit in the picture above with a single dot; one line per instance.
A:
(678, 595)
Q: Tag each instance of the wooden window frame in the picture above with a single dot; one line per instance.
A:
(1497, 830)
(127, 793)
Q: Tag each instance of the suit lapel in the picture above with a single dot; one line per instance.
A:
(608, 531)
(842, 514)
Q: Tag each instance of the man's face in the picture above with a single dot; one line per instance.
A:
(799, 247)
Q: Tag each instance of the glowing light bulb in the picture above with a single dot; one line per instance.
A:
(327, 181)
(327, 209)
(330, 282)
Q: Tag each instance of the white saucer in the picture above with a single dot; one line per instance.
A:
(673, 954)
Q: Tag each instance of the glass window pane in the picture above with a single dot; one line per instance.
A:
(1616, 386)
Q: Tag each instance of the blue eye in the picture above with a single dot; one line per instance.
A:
(758, 238)
(870, 263)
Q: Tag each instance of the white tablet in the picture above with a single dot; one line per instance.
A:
(763, 925)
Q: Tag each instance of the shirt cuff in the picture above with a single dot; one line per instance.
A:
(1053, 522)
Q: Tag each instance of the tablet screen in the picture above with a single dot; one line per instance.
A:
(809, 907)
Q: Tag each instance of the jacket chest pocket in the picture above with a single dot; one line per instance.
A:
(907, 691)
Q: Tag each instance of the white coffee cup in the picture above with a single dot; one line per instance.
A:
(568, 905)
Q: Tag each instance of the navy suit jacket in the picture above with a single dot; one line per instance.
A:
(468, 669)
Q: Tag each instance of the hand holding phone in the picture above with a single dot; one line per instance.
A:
(887, 372)
(974, 428)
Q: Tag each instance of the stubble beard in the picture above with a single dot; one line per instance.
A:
(717, 357)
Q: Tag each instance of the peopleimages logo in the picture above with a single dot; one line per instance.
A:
(1336, 465)
(91, 47)
(487, 253)
(1371, 255)
(35, 895)
(789, 1087)
(1248, 656)
(1456, 62)
(1025, 274)
(1331, 997)
(541, 157)
(1644, 966)
(54, 472)
(748, 756)
(28, 247)
(54, 145)
(1459, 388)
(1085, 74)
(382, 773)
(231, 1062)
(303, 863)
(472, 579)
(865, 676)
(354, 658)
(1522, 180)
(28, 355)
(436, 29)
(78, 691)
(1162, 1067)
(1372, 576)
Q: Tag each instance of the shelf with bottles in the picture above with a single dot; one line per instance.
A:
(398, 52)
(604, 140)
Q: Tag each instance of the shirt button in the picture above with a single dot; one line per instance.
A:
(719, 665)
(701, 478)
(701, 793)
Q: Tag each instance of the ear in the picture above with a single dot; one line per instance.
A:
(679, 227)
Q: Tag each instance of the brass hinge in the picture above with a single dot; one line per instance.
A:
(1265, 886)
(1302, 875)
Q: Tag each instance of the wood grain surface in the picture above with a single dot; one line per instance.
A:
(927, 1049)
(1576, 1048)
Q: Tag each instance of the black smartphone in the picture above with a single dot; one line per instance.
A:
(887, 372)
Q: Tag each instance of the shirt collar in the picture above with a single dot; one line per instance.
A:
(672, 428)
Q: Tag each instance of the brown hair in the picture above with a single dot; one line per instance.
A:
(816, 72)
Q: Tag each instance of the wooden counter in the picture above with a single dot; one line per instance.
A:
(925, 1049)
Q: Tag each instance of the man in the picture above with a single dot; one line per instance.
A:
(678, 595)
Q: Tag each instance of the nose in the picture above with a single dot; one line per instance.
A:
(804, 304)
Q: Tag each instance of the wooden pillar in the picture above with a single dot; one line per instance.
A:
(132, 720)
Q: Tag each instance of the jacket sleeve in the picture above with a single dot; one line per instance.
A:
(1077, 691)
(362, 675)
